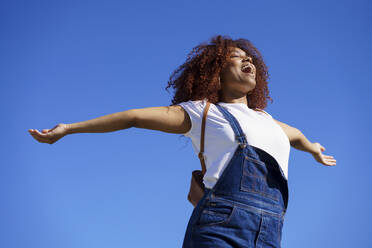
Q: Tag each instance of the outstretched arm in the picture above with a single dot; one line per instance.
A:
(298, 140)
(170, 119)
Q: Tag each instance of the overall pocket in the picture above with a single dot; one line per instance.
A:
(257, 177)
(215, 213)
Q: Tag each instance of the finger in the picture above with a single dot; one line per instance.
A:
(331, 163)
(39, 136)
(40, 139)
(327, 156)
(322, 148)
(331, 160)
(43, 135)
(54, 127)
(34, 131)
(35, 134)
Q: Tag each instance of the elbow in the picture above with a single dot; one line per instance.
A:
(130, 118)
(296, 136)
(133, 118)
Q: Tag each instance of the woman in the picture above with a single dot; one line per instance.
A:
(246, 149)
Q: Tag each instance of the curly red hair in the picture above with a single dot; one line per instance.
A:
(198, 77)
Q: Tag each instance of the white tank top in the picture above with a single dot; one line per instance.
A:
(260, 129)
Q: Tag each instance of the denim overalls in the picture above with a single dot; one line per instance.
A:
(246, 206)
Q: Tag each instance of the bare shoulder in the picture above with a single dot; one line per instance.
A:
(262, 111)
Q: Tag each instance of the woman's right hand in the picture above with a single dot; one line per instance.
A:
(50, 136)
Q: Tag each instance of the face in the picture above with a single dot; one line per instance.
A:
(239, 76)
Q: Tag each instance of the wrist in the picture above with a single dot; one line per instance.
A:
(314, 148)
(68, 128)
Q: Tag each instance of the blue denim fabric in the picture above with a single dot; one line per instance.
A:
(246, 206)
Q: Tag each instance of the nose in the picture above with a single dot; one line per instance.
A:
(247, 58)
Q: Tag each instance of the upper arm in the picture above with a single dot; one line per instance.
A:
(170, 119)
(291, 132)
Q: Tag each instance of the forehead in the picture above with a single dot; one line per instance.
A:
(236, 49)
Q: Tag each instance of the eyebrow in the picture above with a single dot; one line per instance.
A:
(235, 51)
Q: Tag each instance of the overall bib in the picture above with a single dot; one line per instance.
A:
(247, 204)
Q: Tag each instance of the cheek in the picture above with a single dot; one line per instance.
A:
(237, 71)
(234, 69)
(230, 71)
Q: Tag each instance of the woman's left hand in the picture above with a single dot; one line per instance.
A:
(321, 158)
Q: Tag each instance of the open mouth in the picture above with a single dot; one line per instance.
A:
(247, 69)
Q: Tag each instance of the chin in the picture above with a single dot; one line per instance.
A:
(251, 84)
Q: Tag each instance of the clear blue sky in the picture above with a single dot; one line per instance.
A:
(70, 61)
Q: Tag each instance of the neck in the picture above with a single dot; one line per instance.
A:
(230, 99)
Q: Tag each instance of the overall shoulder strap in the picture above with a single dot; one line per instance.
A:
(239, 135)
(201, 153)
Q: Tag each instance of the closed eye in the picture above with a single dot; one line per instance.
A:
(250, 58)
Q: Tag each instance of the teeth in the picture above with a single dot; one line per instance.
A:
(247, 66)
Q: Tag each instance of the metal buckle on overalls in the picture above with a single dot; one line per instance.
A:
(242, 145)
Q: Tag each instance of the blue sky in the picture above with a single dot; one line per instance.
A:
(70, 61)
